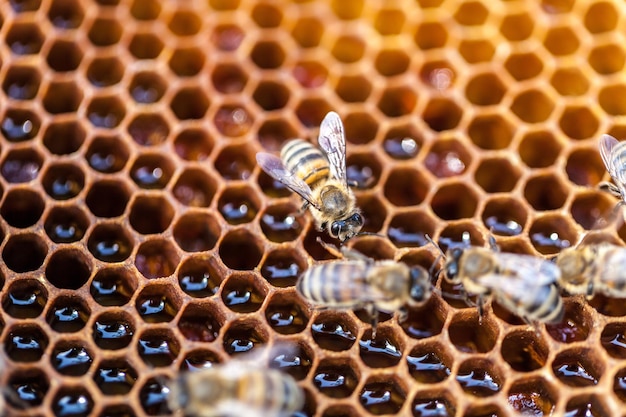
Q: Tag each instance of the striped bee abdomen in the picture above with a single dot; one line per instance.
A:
(305, 161)
(270, 391)
(335, 284)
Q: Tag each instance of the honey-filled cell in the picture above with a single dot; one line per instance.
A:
(140, 240)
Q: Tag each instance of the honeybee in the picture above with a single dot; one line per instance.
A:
(593, 269)
(361, 282)
(523, 284)
(319, 178)
(613, 155)
(236, 389)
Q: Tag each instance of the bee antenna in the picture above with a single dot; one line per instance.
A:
(432, 242)
(369, 234)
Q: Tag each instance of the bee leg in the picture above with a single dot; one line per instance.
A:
(349, 253)
(403, 314)
(481, 309)
(332, 249)
(373, 313)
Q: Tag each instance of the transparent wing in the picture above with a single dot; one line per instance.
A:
(333, 141)
(524, 271)
(276, 169)
(607, 143)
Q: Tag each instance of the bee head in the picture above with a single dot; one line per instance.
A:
(575, 273)
(420, 286)
(452, 265)
(346, 228)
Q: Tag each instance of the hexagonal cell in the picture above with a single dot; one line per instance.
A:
(105, 71)
(244, 335)
(66, 224)
(22, 207)
(199, 277)
(427, 403)
(105, 32)
(150, 214)
(152, 171)
(106, 112)
(545, 192)
(201, 322)
(485, 89)
(227, 37)
(64, 56)
(26, 388)
(389, 21)
(236, 162)
(348, 49)
(383, 351)
(578, 367)
(430, 363)
(273, 134)
(294, 360)
(157, 303)
(398, 101)
(110, 242)
(107, 154)
(307, 31)
(187, 62)
(403, 142)
(391, 62)
(585, 167)
(113, 286)
(20, 125)
(532, 106)
(471, 14)
(310, 74)
(430, 35)
(147, 87)
(281, 222)
(286, 314)
(233, 120)
(592, 209)
(469, 334)
(442, 114)
(62, 97)
(24, 38)
(613, 339)
(476, 50)
(608, 102)
(504, 216)
(373, 211)
(336, 377)
(193, 144)
(68, 314)
(235, 243)
(145, 9)
(458, 234)
(382, 394)
(25, 343)
(479, 377)
(569, 82)
(267, 55)
(586, 405)
(71, 358)
(189, 103)
(239, 204)
(229, 78)
(266, 15)
(347, 11)
(145, 46)
(539, 149)
(524, 350)
(243, 293)
(517, 27)
(490, 132)
(601, 17)
(607, 59)
(282, 267)
(199, 359)
(184, 23)
(113, 330)
(107, 198)
(311, 111)
(66, 14)
(195, 188)
(68, 269)
(153, 395)
(447, 158)
(551, 233)
(156, 258)
(523, 66)
(406, 187)
(21, 82)
(271, 95)
(533, 396)
(561, 41)
(24, 252)
(25, 298)
(353, 88)
(22, 165)
(574, 327)
(64, 138)
(409, 229)
(334, 330)
(455, 201)
(115, 377)
(158, 347)
(495, 175)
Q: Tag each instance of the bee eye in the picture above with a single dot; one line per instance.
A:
(335, 228)
(357, 218)
(451, 270)
(417, 293)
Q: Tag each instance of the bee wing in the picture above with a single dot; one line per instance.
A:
(277, 170)
(528, 270)
(615, 164)
(333, 141)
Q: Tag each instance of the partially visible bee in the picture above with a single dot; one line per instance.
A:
(236, 389)
(613, 155)
(361, 282)
(319, 179)
(523, 284)
(593, 269)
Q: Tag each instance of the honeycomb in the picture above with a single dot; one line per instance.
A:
(140, 239)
